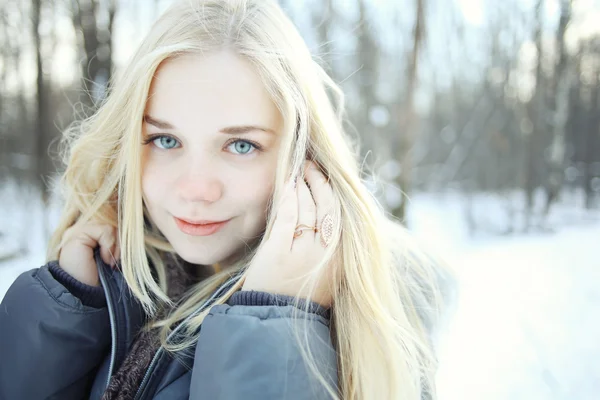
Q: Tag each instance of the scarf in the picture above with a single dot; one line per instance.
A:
(125, 383)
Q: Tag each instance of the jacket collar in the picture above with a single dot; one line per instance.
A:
(126, 314)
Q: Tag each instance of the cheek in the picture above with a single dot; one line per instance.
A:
(255, 189)
(154, 183)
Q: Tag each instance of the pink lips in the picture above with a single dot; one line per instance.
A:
(199, 228)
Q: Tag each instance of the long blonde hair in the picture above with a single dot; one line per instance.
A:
(385, 289)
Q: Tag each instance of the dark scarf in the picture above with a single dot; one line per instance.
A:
(126, 381)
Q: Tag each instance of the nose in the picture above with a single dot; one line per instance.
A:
(200, 187)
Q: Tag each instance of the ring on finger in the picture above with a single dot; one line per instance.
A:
(326, 230)
(301, 228)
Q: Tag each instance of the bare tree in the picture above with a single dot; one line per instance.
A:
(42, 130)
(366, 77)
(409, 121)
(591, 132)
(323, 19)
(96, 45)
(559, 106)
(535, 114)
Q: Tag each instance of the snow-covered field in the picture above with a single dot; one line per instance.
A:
(527, 323)
(527, 320)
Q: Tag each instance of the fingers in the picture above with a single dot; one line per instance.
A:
(104, 236)
(286, 218)
(117, 253)
(321, 190)
(307, 213)
(107, 240)
(306, 204)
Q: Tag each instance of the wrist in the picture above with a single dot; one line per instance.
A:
(89, 295)
(259, 298)
(323, 300)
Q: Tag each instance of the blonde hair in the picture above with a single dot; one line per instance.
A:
(385, 289)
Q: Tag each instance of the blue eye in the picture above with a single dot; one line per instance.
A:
(242, 147)
(165, 142)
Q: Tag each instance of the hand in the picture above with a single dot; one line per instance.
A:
(284, 260)
(77, 255)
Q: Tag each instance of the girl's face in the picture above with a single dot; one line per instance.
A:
(211, 138)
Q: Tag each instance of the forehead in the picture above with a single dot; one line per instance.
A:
(220, 88)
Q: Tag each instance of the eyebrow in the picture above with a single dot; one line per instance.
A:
(231, 130)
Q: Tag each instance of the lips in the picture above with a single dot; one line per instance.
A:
(199, 227)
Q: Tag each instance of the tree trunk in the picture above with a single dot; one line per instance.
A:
(322, 20)
(107, 65)
(84, 19)
(408, 125)
(536, 109)
(592, 139)
(560, 109)
(40, 144)
(368, 60)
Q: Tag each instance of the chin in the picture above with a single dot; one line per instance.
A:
(198, 256)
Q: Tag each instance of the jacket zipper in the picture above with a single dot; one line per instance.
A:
(159, 352)
(113, 325)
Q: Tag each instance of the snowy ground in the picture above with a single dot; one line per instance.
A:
(526, 325)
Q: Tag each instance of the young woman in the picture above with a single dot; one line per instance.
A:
(217, 241)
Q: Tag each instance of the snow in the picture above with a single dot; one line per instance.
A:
(526, 323)
(21, 233)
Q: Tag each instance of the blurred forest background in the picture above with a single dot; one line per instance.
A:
(482, 98)
(480, 129)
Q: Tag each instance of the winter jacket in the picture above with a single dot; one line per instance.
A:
(56, 345)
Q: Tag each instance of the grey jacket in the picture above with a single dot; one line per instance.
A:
(53, 346)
